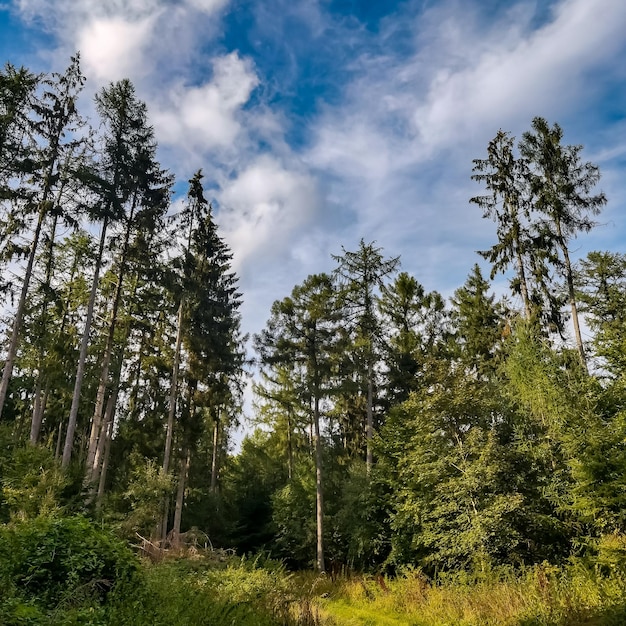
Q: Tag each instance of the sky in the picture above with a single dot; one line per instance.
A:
(319, 123)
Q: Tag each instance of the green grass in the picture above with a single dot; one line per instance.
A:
(540, 596)
(79, 582)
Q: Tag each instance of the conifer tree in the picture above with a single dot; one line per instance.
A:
(562, 186)
(56, 116)
(361, 274)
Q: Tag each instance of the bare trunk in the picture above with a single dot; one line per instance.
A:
(319, 496)
(289, 447)
(105, 465)
(37, 414)
(103, 441)
(80, 371)
(216, 429)
(523, 285)
(19, 313)
(369, 461)
(96, 422)
(57, 451)
(571, 292)
(185, 461)
(172, 400)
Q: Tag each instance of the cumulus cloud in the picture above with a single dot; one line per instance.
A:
(125, 38)
(113, 48)
(264, 205)
(207, 116)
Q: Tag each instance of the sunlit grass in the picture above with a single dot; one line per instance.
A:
(539, 596)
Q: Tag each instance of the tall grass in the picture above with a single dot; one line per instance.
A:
(540, 596)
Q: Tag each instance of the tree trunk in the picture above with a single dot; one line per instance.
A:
(185, 461)
(96, 422)
(369, 461)
(103, 443)
(216, 428)
(35, 424)
(80, 371)
(319, 495)
(105, 464)
(289, 446)
(571, 292)
(522, 280)
(172, 400)
(19, 313)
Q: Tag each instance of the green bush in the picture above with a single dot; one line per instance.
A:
(63, 562)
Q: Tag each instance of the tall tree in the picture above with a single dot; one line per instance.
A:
(209, 327)
(415, 324)
(56, 116)
(562, 196)
(112, 183)
(303, 330)
(361, 274)
(509, 203)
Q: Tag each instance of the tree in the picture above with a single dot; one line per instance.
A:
(507, 204)
(561, 185)
(362, 273)
(415, 324)
(56, 115)
(601, 281)
(208, 328)
(303, 330)
(479, 325)
(112, 183)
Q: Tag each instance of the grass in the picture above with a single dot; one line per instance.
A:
(212, 589)
(539, 596)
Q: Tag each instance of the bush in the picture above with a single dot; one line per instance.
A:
(65, 561)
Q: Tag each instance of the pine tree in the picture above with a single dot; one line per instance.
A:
(362, 273)
(56, 116)
(561, 185)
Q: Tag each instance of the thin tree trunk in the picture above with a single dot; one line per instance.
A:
(19, 313)
(319, 495)
(103, 442)
(80, 371)
(216, 428)
(569, 276)
(522, 281)
(105, 464)
(57, 451)
(172, 400)
(185, 461)
(35, 424)
(96, 422)
(289, 446)
(369, 460)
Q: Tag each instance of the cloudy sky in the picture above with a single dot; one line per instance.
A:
(321, 122)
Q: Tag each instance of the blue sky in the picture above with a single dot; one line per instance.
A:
(321, 122)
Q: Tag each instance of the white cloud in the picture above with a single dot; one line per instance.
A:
(399, 148)
(207, 6)
(207, 116)
(264, 205)
(113, 48)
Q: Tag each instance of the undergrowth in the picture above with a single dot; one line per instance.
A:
(69, 571)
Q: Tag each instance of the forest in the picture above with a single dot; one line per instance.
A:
(396, 434)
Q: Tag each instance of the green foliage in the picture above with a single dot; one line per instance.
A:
(31, 480)
(293, 509)
(51, 562)
(143, 497)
